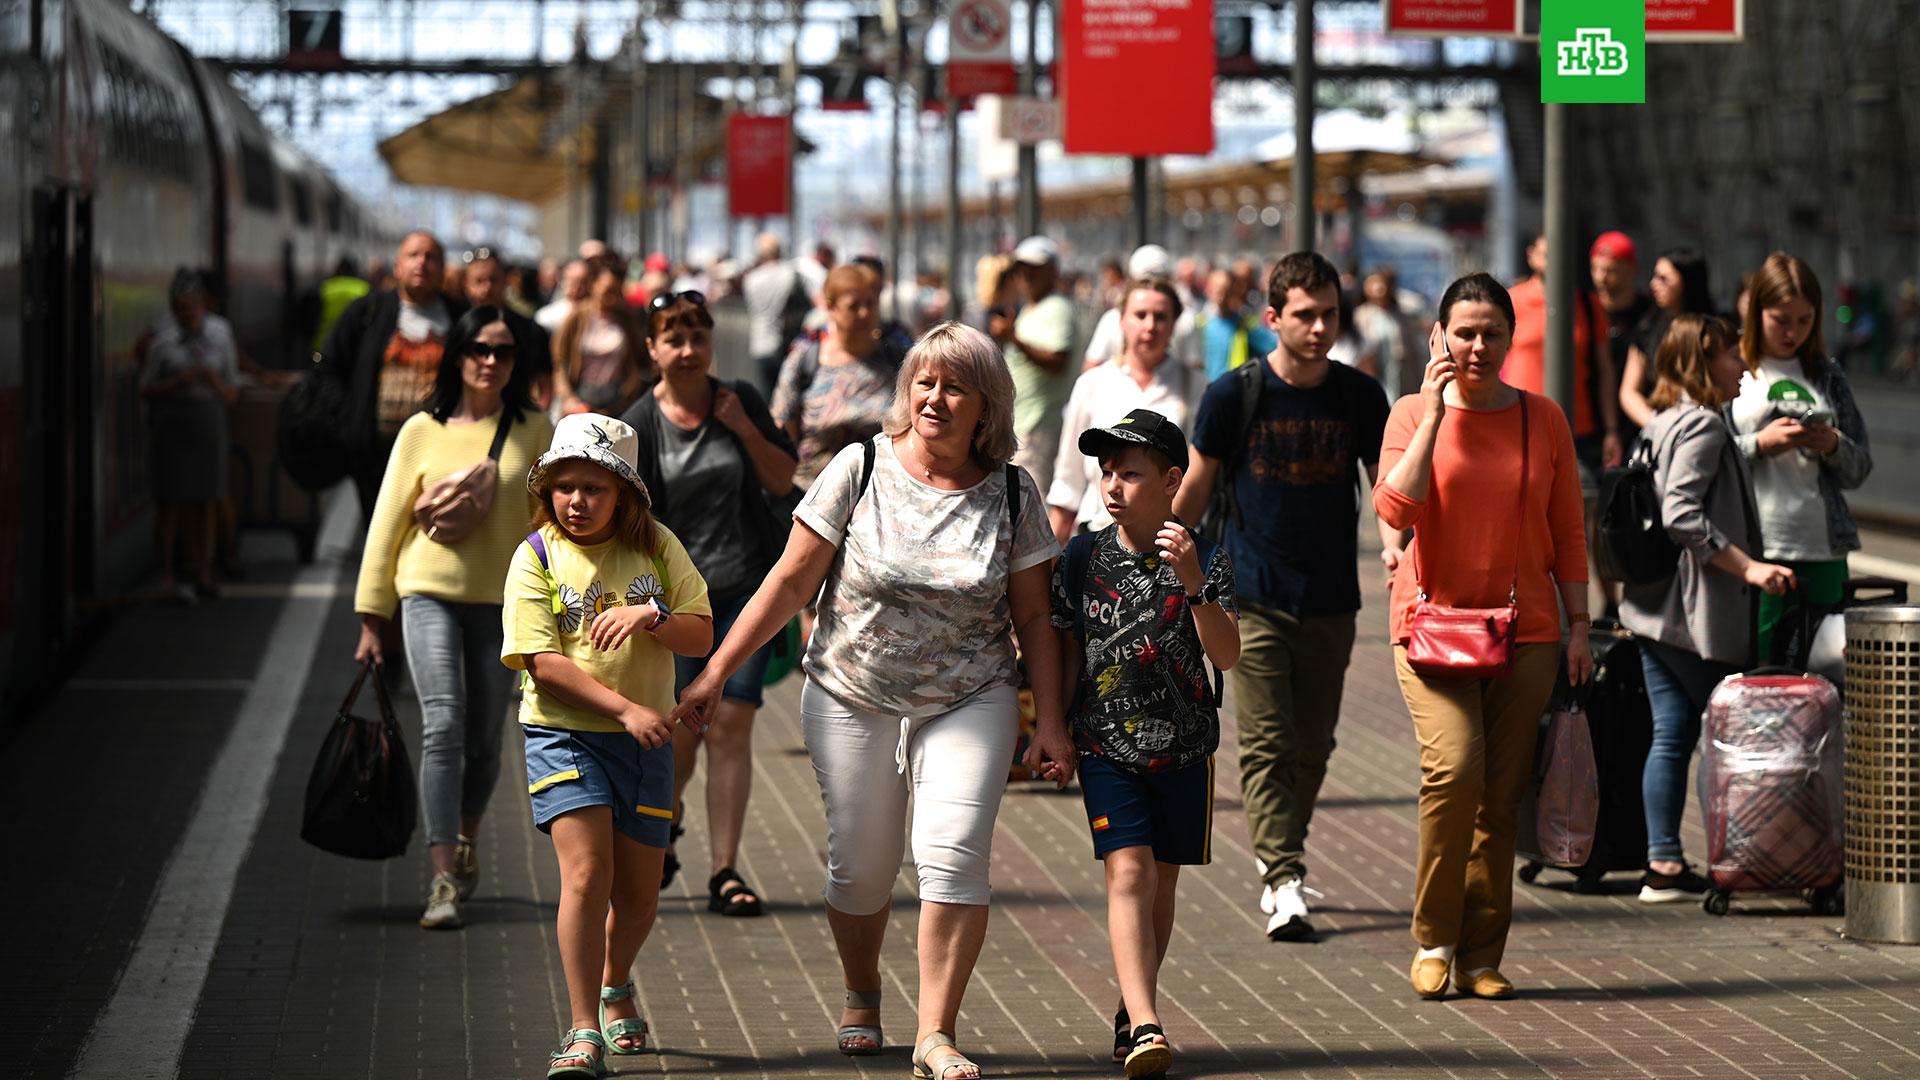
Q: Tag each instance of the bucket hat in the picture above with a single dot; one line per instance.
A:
(608, 443)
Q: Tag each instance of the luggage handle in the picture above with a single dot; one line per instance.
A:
(1895, 589)
(379, 691)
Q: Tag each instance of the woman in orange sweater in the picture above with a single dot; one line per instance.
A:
(1459, 459)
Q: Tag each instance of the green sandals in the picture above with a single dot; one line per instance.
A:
(632, 1028)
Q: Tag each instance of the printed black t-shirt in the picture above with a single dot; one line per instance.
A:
(1296, 484)
(1145, 697)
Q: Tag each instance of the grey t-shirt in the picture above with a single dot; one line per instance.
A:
(704, 470)
(914, 616)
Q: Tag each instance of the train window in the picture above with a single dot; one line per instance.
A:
(336, 211)
(149, 124)
(302, 200)
(259, 180)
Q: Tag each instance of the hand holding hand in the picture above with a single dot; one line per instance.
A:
(647, 727)
(1051, 755)
(1176, 546)
(1769, 578)
(612, 628)
(1579, 655)
(699, 702)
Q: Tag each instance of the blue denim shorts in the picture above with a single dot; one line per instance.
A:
(745, 685)
(572, 770)
(1171, 811)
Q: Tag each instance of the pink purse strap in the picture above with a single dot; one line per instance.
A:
(1519, 515)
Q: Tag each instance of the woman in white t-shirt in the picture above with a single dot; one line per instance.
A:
(1797, 422)
(934, 554)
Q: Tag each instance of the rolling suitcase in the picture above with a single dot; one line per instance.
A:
(1622, 732)
(1770, 789)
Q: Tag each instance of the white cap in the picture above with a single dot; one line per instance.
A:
(1150, 260)
(1037, 251)
(602, 440)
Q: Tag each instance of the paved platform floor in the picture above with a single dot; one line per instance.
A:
(318, 969)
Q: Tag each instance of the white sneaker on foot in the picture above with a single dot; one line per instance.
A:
(466, 868)
(443, 905)
(1289, 914)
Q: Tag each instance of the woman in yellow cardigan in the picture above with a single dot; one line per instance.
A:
(448, 590)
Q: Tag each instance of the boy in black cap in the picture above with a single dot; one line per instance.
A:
(1146, 605)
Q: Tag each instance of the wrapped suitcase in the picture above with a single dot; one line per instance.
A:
(1622, 732)
(1770, 767)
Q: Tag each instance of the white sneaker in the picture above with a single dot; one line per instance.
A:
(1289, 914)
(443, 905)
(1266, 890)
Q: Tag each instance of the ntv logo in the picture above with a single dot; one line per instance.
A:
(1593, 52)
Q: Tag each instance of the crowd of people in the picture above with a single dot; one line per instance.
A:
(1119, 522)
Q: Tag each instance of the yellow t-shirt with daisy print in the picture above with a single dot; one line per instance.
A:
(590, 580)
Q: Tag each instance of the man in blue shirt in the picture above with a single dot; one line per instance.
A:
(1232, 334)
(1292, 463)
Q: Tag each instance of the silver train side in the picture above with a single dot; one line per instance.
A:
(122, 158)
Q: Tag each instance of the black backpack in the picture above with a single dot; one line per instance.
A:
(1632, 544)
(1222, 506)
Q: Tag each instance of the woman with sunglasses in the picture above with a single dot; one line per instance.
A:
(600, 356)
(712, 456)
(448, 590)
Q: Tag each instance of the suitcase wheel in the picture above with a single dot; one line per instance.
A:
(1529, 873)
(1714, 902)
(1587, 880)
(1828, 902)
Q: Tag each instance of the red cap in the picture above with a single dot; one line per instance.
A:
(1614, 245)
(657, 263)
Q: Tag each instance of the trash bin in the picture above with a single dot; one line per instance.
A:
(1883, 774)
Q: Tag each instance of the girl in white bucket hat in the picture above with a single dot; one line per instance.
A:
(598, 601)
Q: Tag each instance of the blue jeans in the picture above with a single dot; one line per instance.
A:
(454, 651)
(745, 684)
(1678, 685)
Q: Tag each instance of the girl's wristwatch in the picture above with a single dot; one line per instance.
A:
(660, 605)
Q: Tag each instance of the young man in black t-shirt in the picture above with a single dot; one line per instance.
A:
(1146, 606)
(1293, 474)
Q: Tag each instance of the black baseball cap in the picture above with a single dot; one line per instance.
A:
(1142, 427)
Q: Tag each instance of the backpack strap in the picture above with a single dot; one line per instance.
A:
(1013, 498)
(868, 454)
(1250, 376)
(1079, 559)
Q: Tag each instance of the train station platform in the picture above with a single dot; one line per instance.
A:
(165, 920)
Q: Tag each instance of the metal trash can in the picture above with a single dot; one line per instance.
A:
(1883, 774)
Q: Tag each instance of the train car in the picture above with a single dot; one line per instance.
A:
(122, 159)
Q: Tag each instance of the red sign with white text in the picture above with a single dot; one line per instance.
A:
(1137, 79)
(1478, 18)
(757, 148)
(1696, 20)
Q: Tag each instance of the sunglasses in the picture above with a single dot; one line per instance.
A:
(665, 300)
(480, 254)
(504, 354)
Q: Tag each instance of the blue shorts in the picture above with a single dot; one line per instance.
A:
(572, 770)
(745, 685)
(1171, 812)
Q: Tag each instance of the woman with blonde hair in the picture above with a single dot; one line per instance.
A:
(929, 554)
(835, 389)
(1804, 439)
(1695, 627)
(600, 358)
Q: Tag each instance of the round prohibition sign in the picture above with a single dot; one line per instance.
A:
(981, 25)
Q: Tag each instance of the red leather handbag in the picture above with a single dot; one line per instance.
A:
(1470, 643)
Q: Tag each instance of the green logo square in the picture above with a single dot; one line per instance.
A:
(1593, 51)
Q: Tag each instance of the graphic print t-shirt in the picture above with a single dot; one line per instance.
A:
(411, 362)
(1145, 698)
(1786, 486)
(593, 580)
(1295, 547)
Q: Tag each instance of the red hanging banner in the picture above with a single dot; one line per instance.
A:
(757, 148)
(1472, 18)
(1696, 20)
(1137, 79)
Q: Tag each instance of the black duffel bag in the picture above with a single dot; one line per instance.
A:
(360, 795)
(1632, 544)
(312, 417)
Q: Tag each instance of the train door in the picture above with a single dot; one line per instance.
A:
(56, 557)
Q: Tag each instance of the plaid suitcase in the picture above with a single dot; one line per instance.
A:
(1770, 787)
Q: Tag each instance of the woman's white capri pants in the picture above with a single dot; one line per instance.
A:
(955, 767)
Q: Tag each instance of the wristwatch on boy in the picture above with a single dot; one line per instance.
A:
(1208, 594)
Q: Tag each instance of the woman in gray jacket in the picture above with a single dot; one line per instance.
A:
(1697, 626)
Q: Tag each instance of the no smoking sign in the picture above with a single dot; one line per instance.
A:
(979, 31)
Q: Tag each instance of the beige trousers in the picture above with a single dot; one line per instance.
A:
(1476, 753)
